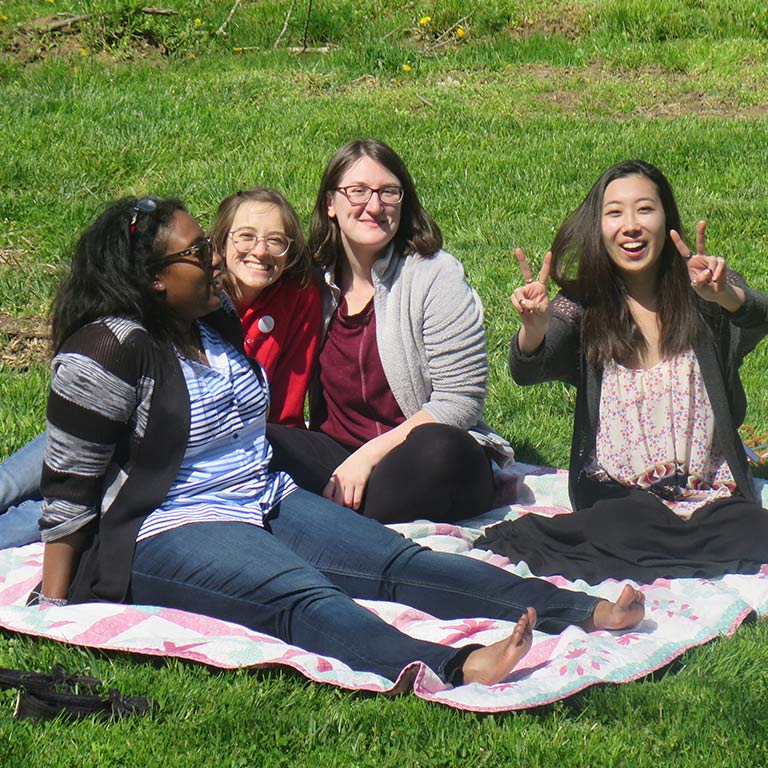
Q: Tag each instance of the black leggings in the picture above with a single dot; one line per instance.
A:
(437, 473)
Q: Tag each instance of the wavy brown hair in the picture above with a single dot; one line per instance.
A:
(417, 232)
(582, 268)
(298, 265)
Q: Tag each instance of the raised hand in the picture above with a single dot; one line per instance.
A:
(531, 300)
(708, 273)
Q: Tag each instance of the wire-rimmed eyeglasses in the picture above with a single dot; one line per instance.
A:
(245, 240)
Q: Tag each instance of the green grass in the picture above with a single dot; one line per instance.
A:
(504, 130)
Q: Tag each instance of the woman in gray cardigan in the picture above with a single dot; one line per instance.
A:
(396, 408)
(651, 335)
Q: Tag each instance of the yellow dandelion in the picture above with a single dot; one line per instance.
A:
(3, 17)
(198, 22)
(83, 51)
(192, 56)
(51, 1)
(424, 20)
(407, 67)
(460, 32)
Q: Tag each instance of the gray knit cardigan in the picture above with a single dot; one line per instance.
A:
(431, 340)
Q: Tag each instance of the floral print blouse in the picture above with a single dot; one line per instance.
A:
(657, 432)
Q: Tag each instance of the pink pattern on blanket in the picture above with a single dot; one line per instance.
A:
(681, 613)
(467, 628)
(107, 629)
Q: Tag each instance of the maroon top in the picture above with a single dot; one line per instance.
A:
(360, 405)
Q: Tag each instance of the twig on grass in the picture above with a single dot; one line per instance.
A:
(423, 100)
(441, 39)
(59, 24)
(304, 49)
(394, 32)
(221, 30)
(158, 11)
(306, 23)
(285, 23)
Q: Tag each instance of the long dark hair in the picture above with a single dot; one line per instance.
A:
(108, 273)
(582, 268)
(298, 264)
(417, 232)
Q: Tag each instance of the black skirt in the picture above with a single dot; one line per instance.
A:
(630, 534)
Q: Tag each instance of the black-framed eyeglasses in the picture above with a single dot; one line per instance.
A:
(359, 194)
(199, 255)
(245, 240)
(145, 205)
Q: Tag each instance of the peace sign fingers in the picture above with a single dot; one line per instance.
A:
(531, 300)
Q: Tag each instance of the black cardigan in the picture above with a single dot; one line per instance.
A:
(724, 341)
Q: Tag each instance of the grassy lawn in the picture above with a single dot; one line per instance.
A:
(505, 112)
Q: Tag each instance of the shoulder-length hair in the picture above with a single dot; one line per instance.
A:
(108, 272)
(417, 232)
(298, 265)
(582, 268)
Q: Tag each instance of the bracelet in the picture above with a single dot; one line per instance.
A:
(41, 599)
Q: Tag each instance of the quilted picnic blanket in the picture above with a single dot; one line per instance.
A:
(680, 614)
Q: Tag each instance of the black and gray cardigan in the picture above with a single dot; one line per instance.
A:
(117, 430)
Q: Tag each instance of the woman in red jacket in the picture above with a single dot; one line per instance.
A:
(268, 275)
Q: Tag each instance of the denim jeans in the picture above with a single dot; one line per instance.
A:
(296, 580)
(20, 498)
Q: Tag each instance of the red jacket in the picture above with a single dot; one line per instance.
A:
(282, 330)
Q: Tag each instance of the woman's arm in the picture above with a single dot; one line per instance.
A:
(453, 344)
(60, 560)
(746, 307)
(93, 396)
(436, 299)
(347, 484)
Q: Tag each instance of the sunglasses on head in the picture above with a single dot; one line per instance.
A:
(199, 255)
(145, 205)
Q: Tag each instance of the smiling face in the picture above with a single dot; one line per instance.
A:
(190, 291)
(254, 270)
(633, 227)
(366, 229)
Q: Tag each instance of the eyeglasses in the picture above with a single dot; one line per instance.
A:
(199, 255)
(245, 240)
(359, 194)
(145, 205)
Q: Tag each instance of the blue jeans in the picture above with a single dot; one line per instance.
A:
(20, 498)
(295, 580)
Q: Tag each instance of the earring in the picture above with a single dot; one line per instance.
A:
(158, 286)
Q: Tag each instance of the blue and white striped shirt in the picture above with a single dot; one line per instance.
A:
(223, 476)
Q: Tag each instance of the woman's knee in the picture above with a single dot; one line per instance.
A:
(442, 450)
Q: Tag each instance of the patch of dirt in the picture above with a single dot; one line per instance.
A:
(23, 341)
(566, 19)
(660, 93)
(67, 36)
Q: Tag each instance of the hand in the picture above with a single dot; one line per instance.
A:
(707, 273)
(347, 484)
(532, 302)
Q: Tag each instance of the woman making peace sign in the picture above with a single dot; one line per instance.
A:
(652, 336)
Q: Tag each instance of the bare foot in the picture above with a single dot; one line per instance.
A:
(493, 663)
(627, 611)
